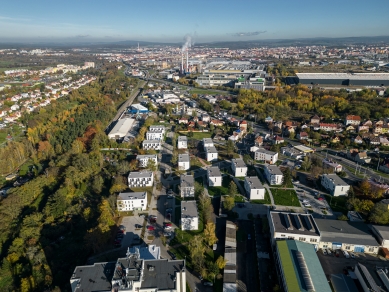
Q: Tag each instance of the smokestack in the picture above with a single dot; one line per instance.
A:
(182, 63)
(187, 61)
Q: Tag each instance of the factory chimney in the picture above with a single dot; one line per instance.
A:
(182, 63)
(187, 61)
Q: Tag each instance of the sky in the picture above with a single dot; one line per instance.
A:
(204, 20)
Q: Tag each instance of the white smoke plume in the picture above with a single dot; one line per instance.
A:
(188, 42)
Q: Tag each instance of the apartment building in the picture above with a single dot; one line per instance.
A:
(140, 179)
(254, 188)
(214, 176)
(183, 162)
(144, 159)
(182, 142)
(187, 185)
(334, 184)
(273, 174)
(211, 153)
(132, 201)
(151, 144)
(261, 154)
(189, 216)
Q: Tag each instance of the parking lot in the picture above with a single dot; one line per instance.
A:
(131, 233)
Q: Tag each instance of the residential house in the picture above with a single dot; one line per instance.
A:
(144, 159)
(205, 118)
(358, 140)
(315, 120)
(214, 176)
(151, 144)
(191, 124)
(278, 140)
(186, 185)
(269, 120)
(254, 188)
(132, 201)
(216, 123)
(140, 179)
(273, 174)
(384, 141)
(258, 141)
(182, 142)
(363, 128)
(346, 235)
(359, 157)
(183, 120)
(375, 141)
(292, 152)
(211, 153)
(328, 127)
(293, 226)
(335, 140)
(261, 154)
(183, 162)
(189, 216)
(352, 120)
(243, 126)
(330, 164)
(351, 128)
(334, 184)
(207, 142)
(278, 125)
(239, 168)
(202, 124)
(302, 136)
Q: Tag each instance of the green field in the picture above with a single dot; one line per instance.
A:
(337, 204)
(223, 190)
(264, 201)
(198, 135)
(285, 197)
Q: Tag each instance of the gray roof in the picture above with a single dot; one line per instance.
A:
(132, 196)
(214, 171)
(207, 140)
(238, 162)
(294, 223)
(345, 232)
(383, 231)
(189, 209)
(140, 174)
(161, 274)
(187, 180)
(263, 150)
(150, 156)
(273, 169)
(335, 179)
(211, 149)
(343, 283)
(182, 138)
(151, 142)
(254, 182)
(100, 273)
(183, 158)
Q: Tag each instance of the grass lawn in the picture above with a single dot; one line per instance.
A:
(337, 204)
(198, 135)
(264, 201)
(223, 190)
(3, 136)
(285, 197)
(238, 199)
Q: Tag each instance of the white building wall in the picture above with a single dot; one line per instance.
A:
(272, 159)
(304, 238)
(335, 190)
(129, 205)
(182, 145)
(211, 156)
(215, 181)
(190, 223)
(184, 165)
(239, 171)
(154, 136)
(350, 247)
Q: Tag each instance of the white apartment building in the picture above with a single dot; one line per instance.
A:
(140, 179)
(183, 162)
(261, 154)
(334, 184)
(189, 216)
(254, 188)
(187, 185)
(144, 159)
(132, 201)
(151, 144)
(239, 168)
(154, 135)
(294, 226)
(214, 176)
(273, 174)
(207, 142)
(182, 142)
(211, 153)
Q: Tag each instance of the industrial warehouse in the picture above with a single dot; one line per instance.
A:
(348, 79)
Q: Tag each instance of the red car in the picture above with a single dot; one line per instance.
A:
(168, 224)
(320, 199)
(150, 228)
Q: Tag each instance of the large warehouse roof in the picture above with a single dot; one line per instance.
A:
(344, 76)
(121, 128)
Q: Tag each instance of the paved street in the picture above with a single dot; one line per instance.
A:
(129, 222)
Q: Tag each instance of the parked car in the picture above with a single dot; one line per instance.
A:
(324, 251)
(150, 228)
(329, 252)
(320, 199)
(337, 253)
(346, 254)
(169, 210)
(307, 205)
(305, 201)
(352, 255)
(138, 226)
(167, 227)
(172, 255)
(122, 227)
(167, 223)
(210, 284)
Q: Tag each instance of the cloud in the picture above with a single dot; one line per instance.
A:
(244, 34)
(81, 36)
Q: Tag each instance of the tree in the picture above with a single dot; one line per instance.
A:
(343, 217)
(287, 176)
(229, 203)
(133, 165)
(221, 262)
(118, 185)
(379, 214)
(306, 164)
(364, 187)
(232, 189)
(174, 159)
(213, 269)
(151, 165)
(209, 234)
(229, 148)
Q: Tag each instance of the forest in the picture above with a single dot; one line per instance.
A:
(65, 212)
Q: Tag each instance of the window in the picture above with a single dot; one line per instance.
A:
(348, 247)
(325, 246)
(313, 240)
(282, 235)
(371, 249)
(301, 238)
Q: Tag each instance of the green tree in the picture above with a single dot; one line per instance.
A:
(232, 189)
(221, 262)
(209, 234)
(306, 164)
(229, 203)
(151, 165)
(230, 148)
(379, 214)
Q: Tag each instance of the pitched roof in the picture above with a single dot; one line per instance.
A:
(353, 118)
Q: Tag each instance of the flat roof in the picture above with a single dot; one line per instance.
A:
(122, 127)
(303, 148)
(345, 232)
(150, 156)
(294, 223)
(183, 158)
(140, 174)
(187, 180)
(254, 182)
(182, 138)
(132, 196)
(207, 140)
(263, 150)
(151, 142)
(211, 149)
(274, 169)
(161, 274)
(139, 107)
(100, 273)
(149, 252)
(382, 230)
(301, 267)
(157, 127)
(335, 179)
(350, 76)
(189, 209)
(214, 171)
(343, 283)
(238, 162)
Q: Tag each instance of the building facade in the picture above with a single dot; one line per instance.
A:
(182, 142)
(214, 176)
(186, 185)
(273, 174)
(183, 162)
(254, 188)
(144, 159)
(151, 144)
(140, 179)
(132, 201)
(334, 184)
(239, 168)
(189, 216)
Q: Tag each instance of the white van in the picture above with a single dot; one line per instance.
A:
(346, 254)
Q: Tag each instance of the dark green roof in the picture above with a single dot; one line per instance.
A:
(287, 250)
